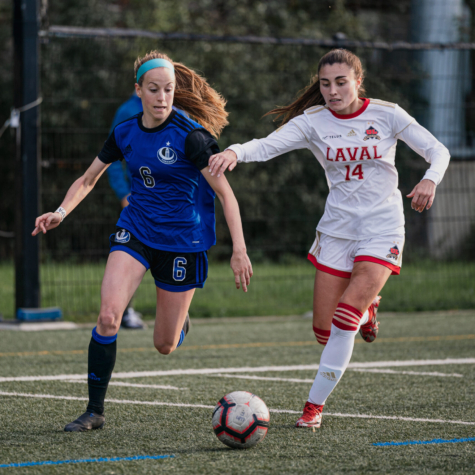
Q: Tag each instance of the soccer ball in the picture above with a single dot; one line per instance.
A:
(240, 420)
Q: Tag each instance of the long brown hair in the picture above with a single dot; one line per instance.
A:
(311, 95)
(193, 95)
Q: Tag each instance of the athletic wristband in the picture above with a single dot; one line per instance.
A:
(62, 212)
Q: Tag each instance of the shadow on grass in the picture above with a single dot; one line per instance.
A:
(198, 450)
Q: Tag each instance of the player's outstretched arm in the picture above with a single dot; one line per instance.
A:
(221, 162)
(240, 263)
(422, 195)
(292, 136)
(76, 193)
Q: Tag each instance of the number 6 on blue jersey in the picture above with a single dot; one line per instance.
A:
(179, 271)
(147, 177)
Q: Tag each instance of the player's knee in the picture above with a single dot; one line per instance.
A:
(164, 347)
(322, 336)
(108, 321)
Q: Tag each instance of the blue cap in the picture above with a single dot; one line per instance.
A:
(152, 64)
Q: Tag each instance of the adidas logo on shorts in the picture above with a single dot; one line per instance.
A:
(351, 133)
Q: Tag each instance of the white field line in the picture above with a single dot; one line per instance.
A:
(203, 406)
(132, 385)
(246, 369)
(414, 373)
(261, 378)
(117, 401)
(385, 364)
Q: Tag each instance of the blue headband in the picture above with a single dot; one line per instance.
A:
(152, 64)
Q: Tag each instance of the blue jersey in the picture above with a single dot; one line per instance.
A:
(171, 206)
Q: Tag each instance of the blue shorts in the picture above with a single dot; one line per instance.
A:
(172, 271)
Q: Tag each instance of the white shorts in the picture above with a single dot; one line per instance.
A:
(337, 256)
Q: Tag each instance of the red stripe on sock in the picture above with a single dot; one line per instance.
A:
(321, 335)
(344, 317)
(347, 315)
(350, 308)
(344, 321)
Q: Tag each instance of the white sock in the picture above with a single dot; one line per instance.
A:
(333, 363)
(364, 318)
(337, 352)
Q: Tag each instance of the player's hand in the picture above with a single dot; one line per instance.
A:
(242, 268)
(46, 222)
(422, 195)
(221, 161)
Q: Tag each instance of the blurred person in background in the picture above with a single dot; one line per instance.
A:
(360, 237)
(120, 180)
(169, 223)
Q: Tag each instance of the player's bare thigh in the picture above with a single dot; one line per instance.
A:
(367, 280)
(328, 291)
(122, 276)
(172, 308)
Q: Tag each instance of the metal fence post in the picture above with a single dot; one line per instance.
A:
(27, 172)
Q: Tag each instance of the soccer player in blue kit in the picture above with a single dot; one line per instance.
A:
(169, 223)
(120, 181)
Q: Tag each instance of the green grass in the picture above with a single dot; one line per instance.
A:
(31, 429)
(274, 290)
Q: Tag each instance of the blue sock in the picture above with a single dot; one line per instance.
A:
(182, 338)
(103, 340)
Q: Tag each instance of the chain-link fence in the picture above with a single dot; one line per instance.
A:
(282, 200)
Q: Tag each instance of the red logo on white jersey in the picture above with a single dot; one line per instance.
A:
(372, 133)
(353, 154)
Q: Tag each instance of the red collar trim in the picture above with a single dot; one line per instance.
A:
(355, 114)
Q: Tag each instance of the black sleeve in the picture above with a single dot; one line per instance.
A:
(199, 146)
(110, 151)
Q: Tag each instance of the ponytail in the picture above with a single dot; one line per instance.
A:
(311, 95)
(308, 97)
(193, 95)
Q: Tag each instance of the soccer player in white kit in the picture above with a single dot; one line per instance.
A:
(360, 238)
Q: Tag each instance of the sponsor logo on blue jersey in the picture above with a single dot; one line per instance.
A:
(167, 155)
(122, 236)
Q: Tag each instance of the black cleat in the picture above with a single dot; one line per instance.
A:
(88, 421)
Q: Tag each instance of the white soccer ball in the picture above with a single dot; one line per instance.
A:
(240, 420)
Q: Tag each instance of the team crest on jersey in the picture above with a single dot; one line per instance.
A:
(372, 133)
(122, 236)
(393, 252)
(167, 155)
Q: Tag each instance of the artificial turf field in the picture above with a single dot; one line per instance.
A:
(431, 398)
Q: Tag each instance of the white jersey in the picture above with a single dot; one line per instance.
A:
(357, 152)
